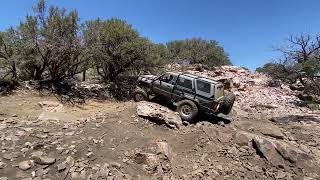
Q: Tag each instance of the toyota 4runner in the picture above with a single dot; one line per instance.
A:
(190, 93)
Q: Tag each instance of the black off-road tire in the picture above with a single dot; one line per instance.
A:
(227, 103)
(140, 95)
(187, 110)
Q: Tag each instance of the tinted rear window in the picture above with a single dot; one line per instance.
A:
(187, 83)
(203, 86)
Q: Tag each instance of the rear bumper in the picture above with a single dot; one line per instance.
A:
(215, 107)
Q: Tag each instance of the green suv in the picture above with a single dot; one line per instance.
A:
(190, 93)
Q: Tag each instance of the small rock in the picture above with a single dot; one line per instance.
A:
(60, 149)
(150, 161)
(281, 175)
(24, 150)
(204, 157)
(241, 139)
(72, 147)
(3, 178)
(115, 165)
(33, 174)
(41, 172)
(234, 151)
(37, 153)
(43, 160)
(2, 165)
(25, 165)
(61, 166)
(104, 170)
(224, 137)
(219, 167)
(71, 133)
(304, 148)
(195, 167)
(28, 144)
(9, 156)
(250, 168)
(70, 161)
(89, 154)
(163, 147)
(258, 169)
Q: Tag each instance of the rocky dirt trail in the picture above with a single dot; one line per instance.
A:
(43, 139)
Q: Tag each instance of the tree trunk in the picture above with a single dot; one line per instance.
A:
(14, 70)
(38, 73)
(302, 81)
(84, 75)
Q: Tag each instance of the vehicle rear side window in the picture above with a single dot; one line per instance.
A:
(203, 86)
(187, 83)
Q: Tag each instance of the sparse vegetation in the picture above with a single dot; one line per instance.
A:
(51, 45)
(8, 58)
(196, 50)
(116, 48)
(300, 63)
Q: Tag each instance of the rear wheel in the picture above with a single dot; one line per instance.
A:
(187, 110)
(140, 95)
(227, 103)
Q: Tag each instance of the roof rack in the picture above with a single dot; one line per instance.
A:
(198, 77)
(190, 75)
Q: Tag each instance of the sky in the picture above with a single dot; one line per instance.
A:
(249, 30)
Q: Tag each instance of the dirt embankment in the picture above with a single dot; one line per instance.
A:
(267, 136)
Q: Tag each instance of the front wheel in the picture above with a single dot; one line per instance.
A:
(187, 110)
(140, 95)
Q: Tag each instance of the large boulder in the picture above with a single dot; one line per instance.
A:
(277, 151)
(267, 149)
(159, 114)
(265, 128)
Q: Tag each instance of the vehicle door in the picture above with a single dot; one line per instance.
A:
(164, 85)
(184, 88)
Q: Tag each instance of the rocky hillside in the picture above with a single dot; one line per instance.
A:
(256, 93)
(267, 136)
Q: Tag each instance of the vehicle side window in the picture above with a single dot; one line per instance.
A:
(169, 78)
(203, 86)
(187, 83)
(165, 78)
